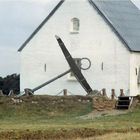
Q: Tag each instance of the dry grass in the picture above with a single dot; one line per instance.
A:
(115, 136)
(73, 134)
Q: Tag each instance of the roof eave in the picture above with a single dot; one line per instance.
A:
(135, 51)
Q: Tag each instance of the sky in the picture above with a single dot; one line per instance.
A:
(18, 19)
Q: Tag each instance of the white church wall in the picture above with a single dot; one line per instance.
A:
(134, 72)
(95, 40)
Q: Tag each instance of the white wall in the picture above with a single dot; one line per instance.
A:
(134, 64)
(95, 40)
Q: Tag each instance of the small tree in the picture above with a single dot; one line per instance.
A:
(10, 82)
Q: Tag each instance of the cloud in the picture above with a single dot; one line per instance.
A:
(31, 1)
(9, 63)
(18, 19)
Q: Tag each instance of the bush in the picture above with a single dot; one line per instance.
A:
(10, 82)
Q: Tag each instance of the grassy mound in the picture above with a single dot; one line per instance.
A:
(55, 117)
(44, 106)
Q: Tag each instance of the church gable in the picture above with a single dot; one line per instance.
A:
(106, 10)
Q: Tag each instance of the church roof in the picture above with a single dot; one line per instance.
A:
(124, 17)
(121, 15)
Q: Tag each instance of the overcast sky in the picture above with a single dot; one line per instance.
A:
(18, 19)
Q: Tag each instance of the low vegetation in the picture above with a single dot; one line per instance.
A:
(10, 82)
(115, 136)
(48, 117)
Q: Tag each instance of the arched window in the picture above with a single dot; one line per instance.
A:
(75, 25)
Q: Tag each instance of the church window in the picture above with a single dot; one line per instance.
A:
(136, 70)
(45, 67)
(138, 78)
(102, 66)
(78, 63)
(75, 25)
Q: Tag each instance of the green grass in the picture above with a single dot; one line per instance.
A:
(44, 113)
(44, 116)
(60, 116)
(33, 117)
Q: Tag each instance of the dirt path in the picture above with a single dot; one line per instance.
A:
(95, 114)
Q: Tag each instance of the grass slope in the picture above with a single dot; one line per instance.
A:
(44, 117)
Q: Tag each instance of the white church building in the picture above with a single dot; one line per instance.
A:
(106, 32)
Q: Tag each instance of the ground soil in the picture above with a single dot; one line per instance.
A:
(62, 134)
(103, 103)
